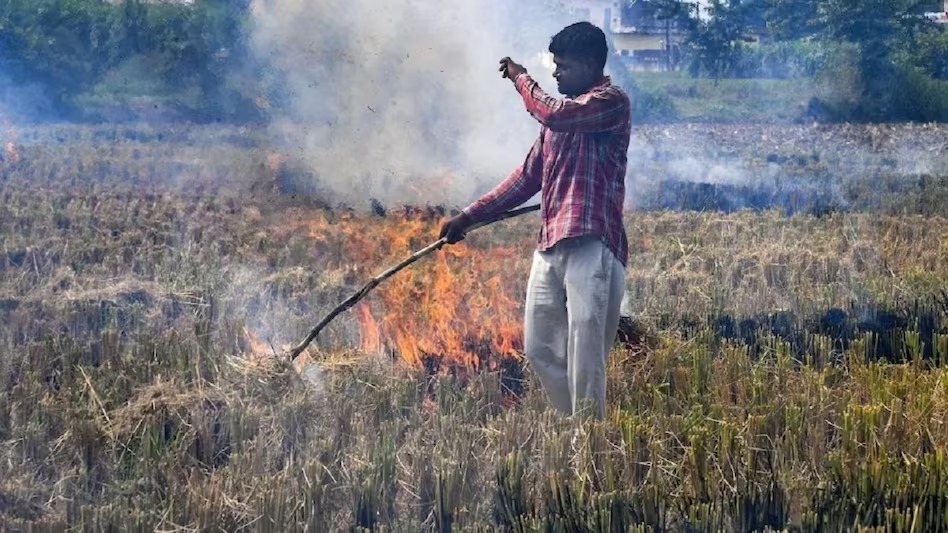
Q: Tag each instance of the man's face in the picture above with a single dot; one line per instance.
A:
(574, 76)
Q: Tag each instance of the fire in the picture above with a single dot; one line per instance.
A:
(371, 336)
(258, 353)
(274, 162)
(12, 154)
(462, 306)
(254, 346)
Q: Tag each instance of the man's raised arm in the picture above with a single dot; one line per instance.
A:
(600, 110)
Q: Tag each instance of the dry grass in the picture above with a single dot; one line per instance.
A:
(133, 397)
(697, 436)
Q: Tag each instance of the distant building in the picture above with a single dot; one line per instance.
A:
(939, 17)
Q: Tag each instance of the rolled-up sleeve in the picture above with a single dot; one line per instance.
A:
(599, 110)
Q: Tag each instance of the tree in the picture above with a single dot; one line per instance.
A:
(61, 44)
(878, 28)
(715, 41)
(791, 19)
(930, 53)
(673, 13)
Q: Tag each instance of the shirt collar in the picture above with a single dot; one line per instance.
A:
(605, 81)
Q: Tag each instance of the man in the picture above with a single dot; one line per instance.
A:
(578, 164)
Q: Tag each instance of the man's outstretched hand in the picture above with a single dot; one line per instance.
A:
(454, 228)
(511, 69)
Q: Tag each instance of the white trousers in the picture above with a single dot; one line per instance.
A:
(570, 322)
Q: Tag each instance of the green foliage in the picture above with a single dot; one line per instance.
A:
(792, 19)
(70, 46)
(63, 44)
(876, 22)
(893, 73)
(715, 42)
(782, 59)
(726, 45)
(891, 52)
(88, 55)
(919, 97)
(647, 106)
(929, 52)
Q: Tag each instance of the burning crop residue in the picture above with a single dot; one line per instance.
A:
(8, 135)
(11, 152)
(460, 308)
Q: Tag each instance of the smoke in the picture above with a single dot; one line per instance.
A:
(402, 101)
(24, 102)
(795, 166)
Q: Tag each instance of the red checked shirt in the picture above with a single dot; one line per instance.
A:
(578, 162)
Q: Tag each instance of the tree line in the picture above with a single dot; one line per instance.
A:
(66, 48)
(894, 61)
(889, 60)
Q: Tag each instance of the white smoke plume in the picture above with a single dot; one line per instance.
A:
(401, 100)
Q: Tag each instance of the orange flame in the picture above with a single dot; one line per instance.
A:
(371, 337)
(12, 153)
(274, 162)
(462, 305)
(254, 345)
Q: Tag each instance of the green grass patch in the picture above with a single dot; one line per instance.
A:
(731, 100)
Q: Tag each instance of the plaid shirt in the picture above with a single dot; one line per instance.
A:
(578, 162)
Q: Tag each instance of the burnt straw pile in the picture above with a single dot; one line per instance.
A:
(921, 194)
(877, 332)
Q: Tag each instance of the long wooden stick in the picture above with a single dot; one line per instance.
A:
(375, 281)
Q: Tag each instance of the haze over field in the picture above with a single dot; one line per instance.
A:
(404, 103)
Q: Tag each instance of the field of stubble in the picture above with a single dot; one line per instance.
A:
(789, 285)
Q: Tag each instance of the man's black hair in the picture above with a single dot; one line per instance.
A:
(581, 40)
